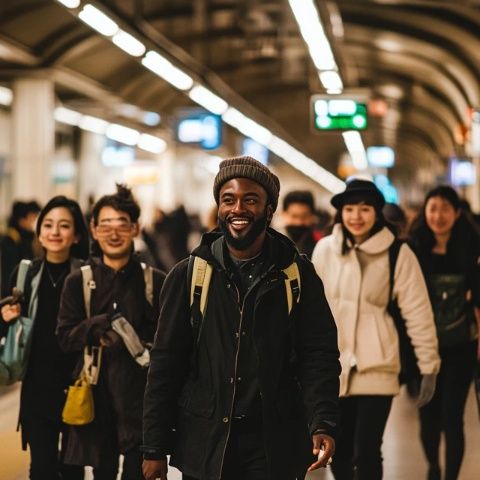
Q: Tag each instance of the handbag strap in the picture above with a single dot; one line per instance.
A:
(92, 360)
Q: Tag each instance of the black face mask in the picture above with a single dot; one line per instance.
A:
(296, 232)
(258, 226)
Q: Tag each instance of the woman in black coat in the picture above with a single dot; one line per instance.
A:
(63, 235)
(448, 248)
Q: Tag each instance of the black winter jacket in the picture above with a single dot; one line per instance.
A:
(297, 357)
(118, 395)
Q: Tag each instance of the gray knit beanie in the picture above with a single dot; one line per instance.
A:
(247, 167)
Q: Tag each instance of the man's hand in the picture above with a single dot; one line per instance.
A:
(323, 449)
(155, 469)
(11, 312)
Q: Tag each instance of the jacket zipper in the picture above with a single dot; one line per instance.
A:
(236, 360)
(234, 377)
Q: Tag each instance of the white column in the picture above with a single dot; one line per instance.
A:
(33, 138)
(91, 173)
(167, 188)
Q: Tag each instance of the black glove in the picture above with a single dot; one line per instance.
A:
(111, 339)
(427, 389)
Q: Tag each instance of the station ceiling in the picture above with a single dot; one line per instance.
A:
(420, 58)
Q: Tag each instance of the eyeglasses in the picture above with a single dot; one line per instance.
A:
(123, 229)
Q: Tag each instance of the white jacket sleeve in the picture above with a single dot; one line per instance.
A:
(411, 293)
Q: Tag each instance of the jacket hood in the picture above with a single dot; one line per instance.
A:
(281, 250)
(377, 243)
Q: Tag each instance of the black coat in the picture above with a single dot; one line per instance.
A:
(49, 370)
(297, 357)
(118, 395)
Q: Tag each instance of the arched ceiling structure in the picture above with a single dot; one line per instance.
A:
(422, 57)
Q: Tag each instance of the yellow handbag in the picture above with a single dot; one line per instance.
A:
(79, 407)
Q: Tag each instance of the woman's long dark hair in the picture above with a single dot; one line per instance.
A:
(464, 241)
(80, 248)
(380, 220)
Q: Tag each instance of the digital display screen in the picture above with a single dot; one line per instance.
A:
(201, 128)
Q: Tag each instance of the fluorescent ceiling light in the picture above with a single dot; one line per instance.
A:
(152, 119)
(354, 144)
(122, 134)
(331, 80)
(305, 165)
(93, 124)
(65, 115)
(165, 69)
(151, 143)
(208, 99)
(128, 43)
(247, 126)
(6, 96)
(98, 20)
(313, 33)
(70, 3)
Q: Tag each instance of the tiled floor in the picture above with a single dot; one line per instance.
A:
(403, 457)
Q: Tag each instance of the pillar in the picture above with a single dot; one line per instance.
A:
(33, 138)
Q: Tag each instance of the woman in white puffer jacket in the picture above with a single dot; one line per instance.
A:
(353, 263)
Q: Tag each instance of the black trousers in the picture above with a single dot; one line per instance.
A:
(446, 409)
(245, 457)
(358, 448)
(132, 466)
(43, 435)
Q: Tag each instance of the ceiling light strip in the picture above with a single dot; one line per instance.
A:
(311, 28)
(114, 131)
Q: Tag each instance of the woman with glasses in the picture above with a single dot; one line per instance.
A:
(448, 248)
(353, 263)
(63, 235)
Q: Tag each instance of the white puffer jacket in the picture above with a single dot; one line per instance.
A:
(357, 289)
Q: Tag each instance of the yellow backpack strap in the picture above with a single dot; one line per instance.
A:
(88, 285)
(148, 277)
(201, 276)
(292, 285)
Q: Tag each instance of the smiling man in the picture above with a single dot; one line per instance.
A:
(250, 385)
(120, 287)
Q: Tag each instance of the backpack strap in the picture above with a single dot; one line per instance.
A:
(22, 274)
(292, 285)
(200, 273)
(201, 276)
(148, 277)
(88, 286)
(393, 252)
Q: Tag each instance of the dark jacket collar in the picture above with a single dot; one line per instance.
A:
(126, 270)
(281, 251)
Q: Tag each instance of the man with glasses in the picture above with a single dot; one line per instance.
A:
(120, 289)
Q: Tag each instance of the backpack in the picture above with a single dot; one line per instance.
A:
(15, 346)
(200, 273)
(454, 315)
(408, 361)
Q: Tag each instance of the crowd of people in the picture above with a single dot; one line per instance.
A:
(264, 353)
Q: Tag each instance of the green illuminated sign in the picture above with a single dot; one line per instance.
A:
(339, 114)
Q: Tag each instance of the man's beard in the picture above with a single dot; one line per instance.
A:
(242, 243)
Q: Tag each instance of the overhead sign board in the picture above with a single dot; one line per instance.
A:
(338, 113)
(200, 127)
